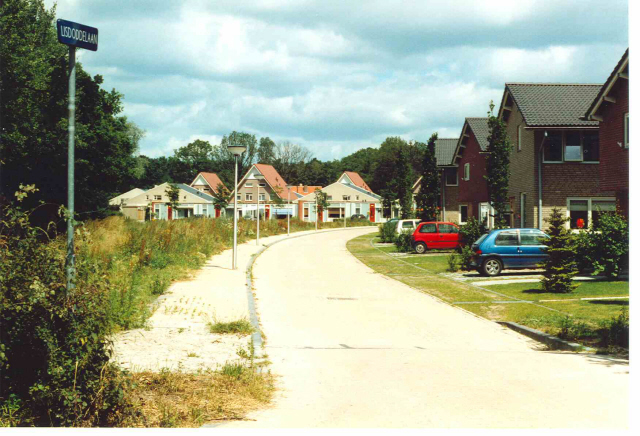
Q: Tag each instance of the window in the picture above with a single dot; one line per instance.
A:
(532, 237)
(239, 197)
(358, 210)
(519, 138)
(428, 228)
(598, 207)
(408, 225)
(248, 197)
(357, 197)
(451, 176)
(572, 148)
(248, 185)
(262, 197)
(578, 214)
(464, 214)
(306, 211)
(329, 197)
(553, 147)
(335, 212)
(590, 147)
(626, 130)
(262, 185)
(157, 197)
(447, 228)
(346, 197)
(507, 238)
(467, 171)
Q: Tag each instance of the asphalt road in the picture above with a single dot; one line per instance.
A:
(353, 348)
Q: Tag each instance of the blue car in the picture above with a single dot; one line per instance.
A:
(509, 249)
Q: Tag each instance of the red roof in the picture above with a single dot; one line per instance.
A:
(301, 189)
(275, 180)
(357, 180)
(212, 179)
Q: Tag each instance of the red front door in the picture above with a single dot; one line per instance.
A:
(372, 212)
(217, 212)
(169, 213)
(266, 212)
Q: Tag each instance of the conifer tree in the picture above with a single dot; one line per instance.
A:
(497, 177)
(429, 194)
(560, 266)
(403, 182)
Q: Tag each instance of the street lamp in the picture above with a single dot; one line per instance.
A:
(288, 206)
(258, 177)
(236, 151)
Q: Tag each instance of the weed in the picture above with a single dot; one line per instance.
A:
(241, 327)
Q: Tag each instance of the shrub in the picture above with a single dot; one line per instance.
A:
(387, 232)
(452, 261)
(615, 332)
(54, 358)
(404, 242)
(465, 257)
(560, 266)
(471, 231)
(604, 248)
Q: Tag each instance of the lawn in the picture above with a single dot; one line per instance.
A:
(586, 321)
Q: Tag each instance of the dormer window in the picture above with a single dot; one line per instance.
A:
(248, 185)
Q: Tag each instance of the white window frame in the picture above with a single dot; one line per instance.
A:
(262, 197)
(445, 176)
(567, 225)
(248, 185)
(346, 197)
(467, 172)
(460, 213)
(157, 197)
(626, 130)
(248, 197)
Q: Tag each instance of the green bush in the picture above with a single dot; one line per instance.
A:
(387, 232)
(615, 332)
(471, 231)
(404, 242)
(453, 262)
(465, 257)
(54, 358)
(604, 248)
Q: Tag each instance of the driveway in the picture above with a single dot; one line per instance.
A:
(356, 349)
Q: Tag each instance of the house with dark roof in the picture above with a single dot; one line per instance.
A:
(470, 158)
(610, 109)
(556, 154)
(155, 203)
(263, 188)
(445, 152)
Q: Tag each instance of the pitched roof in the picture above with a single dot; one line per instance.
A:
(194, 191)
(445, 149)
(115, 201)
(553, 104)
(301, 189)
(357, 180)
(480, 128)
(211, 178)
(274, 179)
(623, 64)
(344, 185)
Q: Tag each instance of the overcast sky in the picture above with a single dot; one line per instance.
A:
(336, 76)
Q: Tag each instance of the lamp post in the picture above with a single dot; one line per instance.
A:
(258, 177)
(236, 151)
(316, 210)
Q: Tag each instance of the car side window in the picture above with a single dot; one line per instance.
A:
(532, 238)
(507, 238)
(447, 228)
(407, 225)
(428, 228)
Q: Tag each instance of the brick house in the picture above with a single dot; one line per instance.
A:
(470, 158)
(445, 151)
(555, 157)
(611, 109)
(262, 187)
(207, 183)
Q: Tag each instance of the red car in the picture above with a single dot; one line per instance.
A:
(435, 235)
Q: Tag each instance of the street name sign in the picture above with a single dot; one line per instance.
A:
(77, 35)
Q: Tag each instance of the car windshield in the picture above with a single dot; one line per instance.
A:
(482, 238)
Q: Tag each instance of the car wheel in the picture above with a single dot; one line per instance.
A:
(420, 247)
(491, 267)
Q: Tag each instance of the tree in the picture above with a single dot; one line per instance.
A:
(560, 265)
(191, 159)
(33, 116)
(266, 151)
(322, 202)
(290, 161)
(223, 159)
(429, 193)
(403, 182)
(173, 192)
(497, 177)
(221, 197)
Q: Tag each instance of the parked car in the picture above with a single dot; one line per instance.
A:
(435, 235)
(358, 216)
(406, 225)
(509, 249)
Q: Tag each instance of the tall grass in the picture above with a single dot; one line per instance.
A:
(140, 260)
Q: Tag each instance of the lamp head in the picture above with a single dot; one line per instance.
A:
(236, 150)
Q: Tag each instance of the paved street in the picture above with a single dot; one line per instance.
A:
(356, 349)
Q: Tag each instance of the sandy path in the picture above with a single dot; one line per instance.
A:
(356, 349)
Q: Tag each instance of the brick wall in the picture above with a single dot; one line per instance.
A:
(451, 204)
(475, 189)
(614, 160)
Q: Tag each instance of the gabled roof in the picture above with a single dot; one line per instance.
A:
(115, 201)
(480, 129)
(273, 179)
(445, 149)
(194, 191)
(343, 185)
(356, 180)
(621, 68)
(301, 189)
(552, 104)
(212, 180)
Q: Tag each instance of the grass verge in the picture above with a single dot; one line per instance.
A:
(601, 323)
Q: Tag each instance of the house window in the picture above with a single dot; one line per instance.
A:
(578, 214)
(590, 147)
(358, 210)
(248, 197)
(467, 171)
(572, 147)
(329, 197)
(346, 197)
(464, 213)
(248, 185)
(519, 138)
(626, 130)
(553, 147)
(451, 176)
(357, 197)
(598, 207)
(262, 185)
(157, 197)
(335, 212)
(262, 197)
(306, 211)
(239, 197)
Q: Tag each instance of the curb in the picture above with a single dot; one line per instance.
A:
(552, 342)
(256, 337)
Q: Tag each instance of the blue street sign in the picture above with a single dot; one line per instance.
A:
(77, 35)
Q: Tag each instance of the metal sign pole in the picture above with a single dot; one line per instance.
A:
(288, 208)
(235, 215)
(71, 261)
(258, 212)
